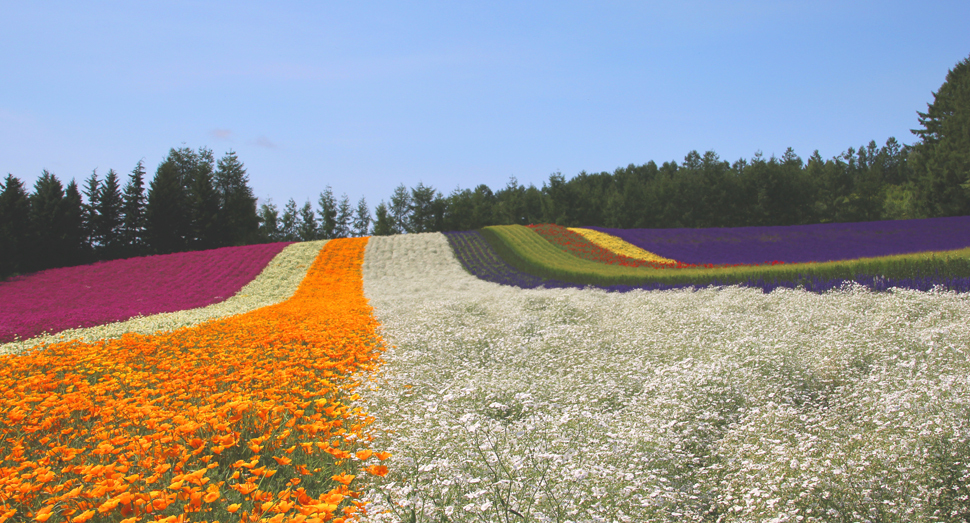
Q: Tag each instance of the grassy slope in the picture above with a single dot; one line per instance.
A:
(527, 251)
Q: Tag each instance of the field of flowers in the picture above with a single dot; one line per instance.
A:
(77, 297)
(801, 243)
(533, 253)
(277, 282)
(717, 404)
(246, 418)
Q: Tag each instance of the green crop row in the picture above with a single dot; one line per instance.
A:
(529, 252)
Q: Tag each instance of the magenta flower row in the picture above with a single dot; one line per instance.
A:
(105, 292)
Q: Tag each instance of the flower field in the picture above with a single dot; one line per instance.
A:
(801, 243)
(532, 253)
(244, 418)
(719, 404)
(72, 297)
(455, 378)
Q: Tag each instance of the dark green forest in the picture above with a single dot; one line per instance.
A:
(196, 202)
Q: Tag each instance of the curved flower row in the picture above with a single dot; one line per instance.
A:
(277, 282)
(243, 418)
(617, 245)
(508, 404)
(801, 243)
(579, 245)
(88, 295)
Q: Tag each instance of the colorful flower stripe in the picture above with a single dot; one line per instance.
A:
(75, 297)
(504, 404)
(578, 245)
(617, 245)
(801, 243)
(480, 260)
(277, 282)
(238, 419)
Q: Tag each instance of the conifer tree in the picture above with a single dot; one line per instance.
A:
(14, 226)
(133, 211)
(328, 214)
(382, 221)
(306, 225)
(269, 223)
(76, 249)
(361, 222)
(165, 212)
(47, 245)
(238, 221)
(344, 217)
(109, 224)
(942, 157)
(92, 192)
(289, 221)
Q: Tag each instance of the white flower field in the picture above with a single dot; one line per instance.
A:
(723, 404)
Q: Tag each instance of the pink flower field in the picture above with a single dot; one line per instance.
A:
(89, 295)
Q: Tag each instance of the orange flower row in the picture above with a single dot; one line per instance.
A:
(247, 418)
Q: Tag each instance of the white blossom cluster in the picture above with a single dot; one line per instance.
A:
(274, 284)
(722, 404)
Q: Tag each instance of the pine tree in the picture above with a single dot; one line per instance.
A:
(344, 216)
(306, 225)
(92, 192)
(942, 157)
(203, 201)
(14, 226)
(328, 214)
(382, 221)
(109, 225)
(47, 245)
(166, 223)
(269, 223)
(399, 212)
(361, 222)
(288, 222)
(133, 211)
(76, 249)
(238, 221)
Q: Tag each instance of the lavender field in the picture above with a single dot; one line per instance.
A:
(801, 243)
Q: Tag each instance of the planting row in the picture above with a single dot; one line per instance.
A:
(801, 243)
(88, 295)
(277, 282)
(247, 417)
(528, 252)
(726, 404)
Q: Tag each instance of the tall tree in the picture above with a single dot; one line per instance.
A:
(48, 245)
(942, 156)
(110, 219)
(328, 214)
(14, 226)
(361, 221)
(238, 220)
(90, 218)
(166, 223)
(75, 247)
(203, 201)
(425, 210)
(269, 223)
(306, 225)
(399, 211)
(382, 221)
(289, 222)
(344, 217)
(133, 212)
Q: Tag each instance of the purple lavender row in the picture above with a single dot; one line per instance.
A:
(801, 243)
(105, 292)
(478, 258)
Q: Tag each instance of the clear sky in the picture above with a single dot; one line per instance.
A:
(363, 96)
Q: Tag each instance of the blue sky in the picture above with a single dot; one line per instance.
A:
(363, 96)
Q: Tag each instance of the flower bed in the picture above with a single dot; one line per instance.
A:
(88, 295)
(504, 404)
(801, 243)
(248, 417)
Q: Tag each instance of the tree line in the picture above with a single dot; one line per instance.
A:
(195, 202)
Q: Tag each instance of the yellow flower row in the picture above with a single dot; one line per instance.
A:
(608, 241)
